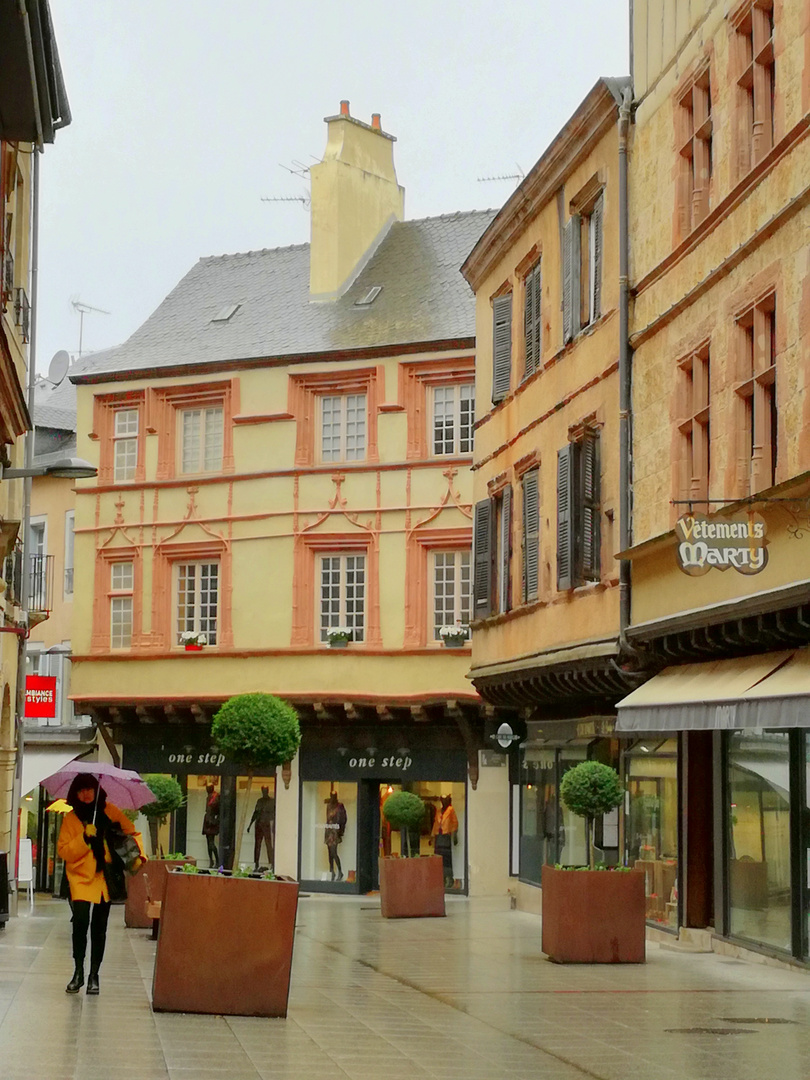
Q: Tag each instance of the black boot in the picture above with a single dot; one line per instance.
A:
(92, 983)
(77, 982)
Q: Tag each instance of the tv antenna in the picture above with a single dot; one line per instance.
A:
(300, 170)
(518, 177)
(84, 309)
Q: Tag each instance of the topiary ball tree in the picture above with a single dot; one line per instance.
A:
(589, 790)
(168, 798)
(404, 810)
(259, 731)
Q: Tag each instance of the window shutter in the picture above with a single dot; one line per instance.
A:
(565, 510)
(589, 488)
(482, 559)
(596, 224)
(571, 278)
(531, 535)
(501, 347)
(532, 322)
(505, 569)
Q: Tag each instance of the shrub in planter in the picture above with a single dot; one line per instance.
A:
(261, 732)
(593, 915)
(168, 798)
(410, 887)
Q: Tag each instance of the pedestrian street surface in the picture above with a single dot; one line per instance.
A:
(469, 997)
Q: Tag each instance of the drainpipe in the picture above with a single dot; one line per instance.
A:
(625, 384)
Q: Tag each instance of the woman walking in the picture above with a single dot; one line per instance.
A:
(84, 844)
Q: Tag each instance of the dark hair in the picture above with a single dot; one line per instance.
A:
(83, 810)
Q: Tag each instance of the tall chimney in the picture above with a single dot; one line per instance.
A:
(355, 200)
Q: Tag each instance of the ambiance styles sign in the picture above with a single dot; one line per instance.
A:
(705, 543)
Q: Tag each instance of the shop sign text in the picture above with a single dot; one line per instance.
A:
(40, 696)
(197, 759)
(738, 542)
(390, 762)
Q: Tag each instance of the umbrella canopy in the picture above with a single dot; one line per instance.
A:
(60, 807)
(123, 788)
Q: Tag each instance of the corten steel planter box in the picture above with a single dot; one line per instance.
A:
(155, 870)
(594, 916)
(225, 945)
(412, 888)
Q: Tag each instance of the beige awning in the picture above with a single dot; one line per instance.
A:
(771, 690)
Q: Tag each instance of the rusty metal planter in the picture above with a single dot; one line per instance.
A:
(155, 870)
(412, 888)
(225, 945)
(594, 916)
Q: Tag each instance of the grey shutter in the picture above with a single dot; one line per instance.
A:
(589, 492)
(596, 224)
(532, 322)
(531, 535)
(505, 569)
(482, 559)
(571, 284)
(501, 347)
(565, 516)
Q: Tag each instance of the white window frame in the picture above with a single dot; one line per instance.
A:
(346, 416)
(198, 621)
(34, 525)
(342, 594)
(210, 440)
(459, 612)
(124, 438)
(121, 599)
(70, 552)
(455, 396)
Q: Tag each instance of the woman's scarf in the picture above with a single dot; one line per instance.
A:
(91, 813)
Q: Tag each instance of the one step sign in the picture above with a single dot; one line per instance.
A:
(40, 697)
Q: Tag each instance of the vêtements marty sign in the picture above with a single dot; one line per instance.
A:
(737, 542)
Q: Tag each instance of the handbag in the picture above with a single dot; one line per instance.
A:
(124, 854)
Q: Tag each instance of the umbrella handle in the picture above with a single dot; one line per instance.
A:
(95, 804)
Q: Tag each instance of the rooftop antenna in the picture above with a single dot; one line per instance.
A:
(84, 309)
(300, 170)
(518, 177)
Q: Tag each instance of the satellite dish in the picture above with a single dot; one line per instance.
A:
(58, 368)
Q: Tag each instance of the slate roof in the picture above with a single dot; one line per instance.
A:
(55, 406)
(424, 298)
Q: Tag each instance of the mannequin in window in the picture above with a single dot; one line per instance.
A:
(445, 834)
(210, 828)
(264, 815)
(333, 834)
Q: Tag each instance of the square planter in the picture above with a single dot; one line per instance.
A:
(155, 870)
(194, 648)
(412, 888)
(225, 945)
(339, 643)
(594, 916)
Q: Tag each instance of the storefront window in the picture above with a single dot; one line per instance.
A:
(651, 828)
(759, 883)
(205, 847)
(550, 833)
(155, 834)
(328, 831)
(573, 832)
(438, 798)
(260, 817)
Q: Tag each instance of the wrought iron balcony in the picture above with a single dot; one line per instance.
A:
(8, 276)
(40, 587)
(13, 574)
(22, 314)
(68, 580)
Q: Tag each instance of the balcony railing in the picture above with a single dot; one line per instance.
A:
(7, 282)
(40, 586)
(13, 574)
(68, 581)
(22, 314)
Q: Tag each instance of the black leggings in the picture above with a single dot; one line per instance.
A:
(98, 931)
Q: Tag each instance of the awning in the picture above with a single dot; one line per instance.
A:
(771, 690)
(37, 764)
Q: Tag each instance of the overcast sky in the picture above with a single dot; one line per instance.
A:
(184, 111)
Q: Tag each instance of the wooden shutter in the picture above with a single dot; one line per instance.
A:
(565, 517)
(596, 224)
(572, 295)
(505, 569)
(590, 568)
(532, 322)
(501, 347)
(531, 535)
(482, 559)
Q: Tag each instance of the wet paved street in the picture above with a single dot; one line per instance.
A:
(468, 997)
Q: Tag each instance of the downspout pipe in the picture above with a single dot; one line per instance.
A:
(625, 385)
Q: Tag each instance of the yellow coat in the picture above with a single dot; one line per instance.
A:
(86, 880)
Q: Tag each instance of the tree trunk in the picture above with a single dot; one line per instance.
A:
(237, 850)
(153, 836)
(590, 842)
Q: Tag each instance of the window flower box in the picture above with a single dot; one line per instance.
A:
(193, 642)
(338, 637)
(454, 637)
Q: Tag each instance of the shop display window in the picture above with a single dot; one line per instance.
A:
(156, 834)
(759, 885)
(258, 845)
(549, 832)
(328, 831)
(197, 800)
(651, 824)
(435, 795)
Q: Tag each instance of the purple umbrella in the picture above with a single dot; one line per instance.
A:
(124, 788)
